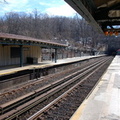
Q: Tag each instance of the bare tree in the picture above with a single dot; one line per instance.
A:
(74, 31)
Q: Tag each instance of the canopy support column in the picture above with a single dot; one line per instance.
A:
(21, 55)
(55, 55)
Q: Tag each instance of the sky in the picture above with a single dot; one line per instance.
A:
(51, 7)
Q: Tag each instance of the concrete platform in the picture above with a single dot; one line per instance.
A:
(104, 101)
(13, 69)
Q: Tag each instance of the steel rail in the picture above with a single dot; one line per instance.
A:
(38, 81)
(16, 102)
(46, 95)
(37, 114)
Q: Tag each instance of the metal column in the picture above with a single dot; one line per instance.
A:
(21, 55)
(55, 55)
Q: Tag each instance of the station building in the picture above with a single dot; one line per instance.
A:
(20, 50)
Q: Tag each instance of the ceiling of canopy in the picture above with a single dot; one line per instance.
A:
(102, 14)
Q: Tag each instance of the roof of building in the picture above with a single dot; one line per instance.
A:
(6, 38)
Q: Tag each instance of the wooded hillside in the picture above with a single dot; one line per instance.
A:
(73, 31)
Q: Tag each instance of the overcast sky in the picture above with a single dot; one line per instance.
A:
(51, 7)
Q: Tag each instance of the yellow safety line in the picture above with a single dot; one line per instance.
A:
(14, 70)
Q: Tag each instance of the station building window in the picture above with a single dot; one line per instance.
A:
(15, 52)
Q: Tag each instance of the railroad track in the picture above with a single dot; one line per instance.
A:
(36, 84)
(55, 103)
(15, 108)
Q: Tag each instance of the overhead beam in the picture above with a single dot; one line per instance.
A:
(113, 7)
(111, 23)
(118, 30)
(102, 13)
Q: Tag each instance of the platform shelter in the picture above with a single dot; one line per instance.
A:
(17, 49)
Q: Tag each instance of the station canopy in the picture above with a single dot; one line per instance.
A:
(102, 14)
(12, 39)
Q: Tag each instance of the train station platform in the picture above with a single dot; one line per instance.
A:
(13, 69)
(103, 103)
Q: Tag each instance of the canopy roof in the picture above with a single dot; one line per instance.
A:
(13, 39)
(102, 14)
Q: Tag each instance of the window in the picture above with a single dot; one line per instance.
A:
(15, 52)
